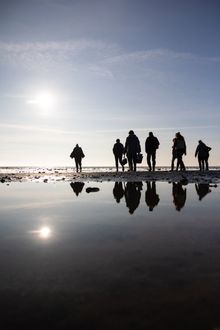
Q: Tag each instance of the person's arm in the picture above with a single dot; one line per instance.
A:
(126, 146)
(146, 146)
(184, 147)
(196, 153)
(139, 146)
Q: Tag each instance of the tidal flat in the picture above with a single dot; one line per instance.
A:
(109, 255)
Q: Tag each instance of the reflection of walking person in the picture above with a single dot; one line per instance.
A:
(151, 145)
(118, 191)
(77, 154)
(133, 195)
(180, 149)
(132, 148)
(202, 189)
(151, 197)
(202, 151)
(77, 187)
(118, 150)
(179, 195)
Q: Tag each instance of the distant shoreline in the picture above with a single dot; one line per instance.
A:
(47, 175)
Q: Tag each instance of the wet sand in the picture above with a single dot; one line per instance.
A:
(53, 175)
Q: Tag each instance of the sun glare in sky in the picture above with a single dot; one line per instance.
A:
(45, 101)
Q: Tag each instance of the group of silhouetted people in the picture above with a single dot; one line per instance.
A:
(131, 153)
(131, 192)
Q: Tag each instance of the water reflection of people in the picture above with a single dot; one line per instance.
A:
(202, 189)
(118, 191)
(151, 197)
(133, 195)
(179, 195)
(77, 187)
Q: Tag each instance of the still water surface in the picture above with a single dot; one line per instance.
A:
(131, 255)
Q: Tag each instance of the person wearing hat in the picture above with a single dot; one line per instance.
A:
(132, 148)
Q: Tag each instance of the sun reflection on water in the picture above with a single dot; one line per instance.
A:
(44, 232)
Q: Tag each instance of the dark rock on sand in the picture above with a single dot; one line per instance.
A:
(92, 189)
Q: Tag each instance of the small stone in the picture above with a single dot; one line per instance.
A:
(92, 189)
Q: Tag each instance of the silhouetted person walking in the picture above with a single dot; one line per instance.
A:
(118, 151)
(151, 197)
(202, 189)
(179, 195)
(180, 149)
(77, 154)
(77, 187)
(118, 191)
(174, 155)
(202, 151)
(151, 145)
(133, 195)
(132, 148)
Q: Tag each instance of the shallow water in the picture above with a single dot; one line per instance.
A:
(129, 256)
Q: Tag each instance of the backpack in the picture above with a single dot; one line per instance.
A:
(180, 144)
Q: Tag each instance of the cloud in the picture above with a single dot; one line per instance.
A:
(88, 56)
(98, 131)
(157, 54)
(70, 54)
(69, 45)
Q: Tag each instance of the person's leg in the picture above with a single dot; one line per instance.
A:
(134, 162)
(80, 165)
(203, 164)
(182, 166)
(116, 163)
(130, 162)
(149, 161)
(120, 161)
(154, 160)
(172, 161)
(179, 159)
(200, 164)
(206, 164)
(76, 162)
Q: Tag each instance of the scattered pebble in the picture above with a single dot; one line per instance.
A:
(92, 189)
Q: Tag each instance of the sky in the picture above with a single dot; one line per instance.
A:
(88, 71)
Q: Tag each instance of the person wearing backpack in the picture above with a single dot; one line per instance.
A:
(202, 151)
(132, 149)
(151, 145)
(180, 149)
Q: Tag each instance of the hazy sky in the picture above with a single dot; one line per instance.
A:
(88, 71)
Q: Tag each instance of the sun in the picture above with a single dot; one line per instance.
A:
(43, 100)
